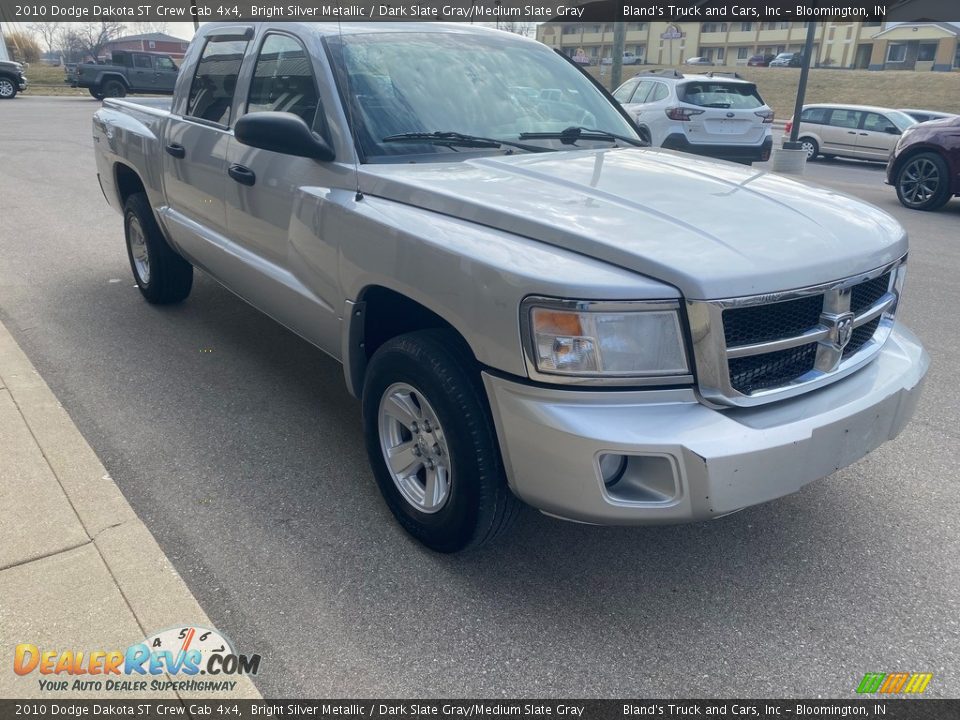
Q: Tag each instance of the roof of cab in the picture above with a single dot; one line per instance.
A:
(366, 28)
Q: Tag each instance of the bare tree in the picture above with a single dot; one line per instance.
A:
(48, 32)
(143, 28)
(517, 28)
(80, 41)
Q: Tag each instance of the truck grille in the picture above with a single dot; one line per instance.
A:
(758, 349)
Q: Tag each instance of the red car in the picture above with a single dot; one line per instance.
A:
(760, 60)
(925, 165)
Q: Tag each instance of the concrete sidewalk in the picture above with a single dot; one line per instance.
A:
(78, 570)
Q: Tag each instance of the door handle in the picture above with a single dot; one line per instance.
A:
(177, 150)
(864, 134)
(242, 174)
(851, 132)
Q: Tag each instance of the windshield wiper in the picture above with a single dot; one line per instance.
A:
(572, 134)
(455, 140)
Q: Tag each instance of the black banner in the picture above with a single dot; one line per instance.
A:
(901, 709)
(474, 10)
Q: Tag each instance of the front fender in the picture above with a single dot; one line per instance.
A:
(472, 276)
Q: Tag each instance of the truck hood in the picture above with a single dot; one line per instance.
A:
(711, 229)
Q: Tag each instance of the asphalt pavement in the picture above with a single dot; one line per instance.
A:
(237, 445)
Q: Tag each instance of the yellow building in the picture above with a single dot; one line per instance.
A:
(917, 46)
(836, 44)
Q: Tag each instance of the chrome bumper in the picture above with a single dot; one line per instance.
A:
(686, 460)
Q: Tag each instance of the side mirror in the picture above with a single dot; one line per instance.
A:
(282, 132)
(892, 130)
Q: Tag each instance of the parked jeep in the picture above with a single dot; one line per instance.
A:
(12, 79)
(130, 72)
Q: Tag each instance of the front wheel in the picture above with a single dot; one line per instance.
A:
(923, 182)
(8, 89)
(94, 92)
(431, 442)
(161, 274)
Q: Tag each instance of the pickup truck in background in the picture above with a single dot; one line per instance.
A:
(528, 303)
(12, 79)
(128, 73)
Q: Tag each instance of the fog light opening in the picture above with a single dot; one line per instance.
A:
(612, 468)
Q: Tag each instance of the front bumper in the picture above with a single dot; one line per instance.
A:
(22, 85)
(735, 153)
(687, 461)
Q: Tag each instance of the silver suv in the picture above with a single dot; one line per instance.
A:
(714, 114)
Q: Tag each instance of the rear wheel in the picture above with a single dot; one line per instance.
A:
(810, 146)
(431, 442)
(923, 182)
(114, 89)
(161, 274)
(8, 89)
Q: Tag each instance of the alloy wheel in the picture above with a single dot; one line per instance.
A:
(920, 181)
(414, 447)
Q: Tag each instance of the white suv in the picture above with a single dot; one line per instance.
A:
(715, 114)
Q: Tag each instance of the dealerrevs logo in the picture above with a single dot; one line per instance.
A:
(183, 653)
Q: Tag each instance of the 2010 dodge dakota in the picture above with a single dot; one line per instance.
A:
(528, 304)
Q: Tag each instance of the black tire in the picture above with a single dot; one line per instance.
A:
(166, 277)
(478, 506)
(923, 182)
(114, 89)
(811, 146)
(95, 92)
(8, 88)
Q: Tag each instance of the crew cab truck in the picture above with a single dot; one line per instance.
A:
(529, 305)
(127, 73)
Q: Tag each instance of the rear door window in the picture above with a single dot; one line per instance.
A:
(659, 92)
(625, 91)
(643, 89)
(845, 118)
(142, 61)
(215, 81)
(736, 96)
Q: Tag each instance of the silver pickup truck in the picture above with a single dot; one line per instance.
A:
(528, 305)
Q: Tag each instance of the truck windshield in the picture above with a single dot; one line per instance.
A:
(490, 85)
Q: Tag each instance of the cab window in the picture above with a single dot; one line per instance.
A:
(215, 81)
(142, 61)
(164, 63)
(283, 80)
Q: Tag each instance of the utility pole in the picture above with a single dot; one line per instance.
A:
(801, 88)
(619, 41)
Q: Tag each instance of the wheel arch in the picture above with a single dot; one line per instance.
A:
(917, 149)
(127, 181)
(378, 314)
(107, 76)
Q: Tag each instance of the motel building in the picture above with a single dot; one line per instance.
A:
(841, 44)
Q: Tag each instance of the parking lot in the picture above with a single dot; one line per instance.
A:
(239, 447)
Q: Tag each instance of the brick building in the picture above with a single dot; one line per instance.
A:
(151, 42)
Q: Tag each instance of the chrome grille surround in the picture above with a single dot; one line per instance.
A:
(834, 331)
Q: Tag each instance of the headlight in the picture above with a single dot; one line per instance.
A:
(590, 342)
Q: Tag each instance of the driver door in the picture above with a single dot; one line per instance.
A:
(272, 201)
(877, 138)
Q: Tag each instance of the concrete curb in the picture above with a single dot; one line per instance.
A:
(53, 473)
